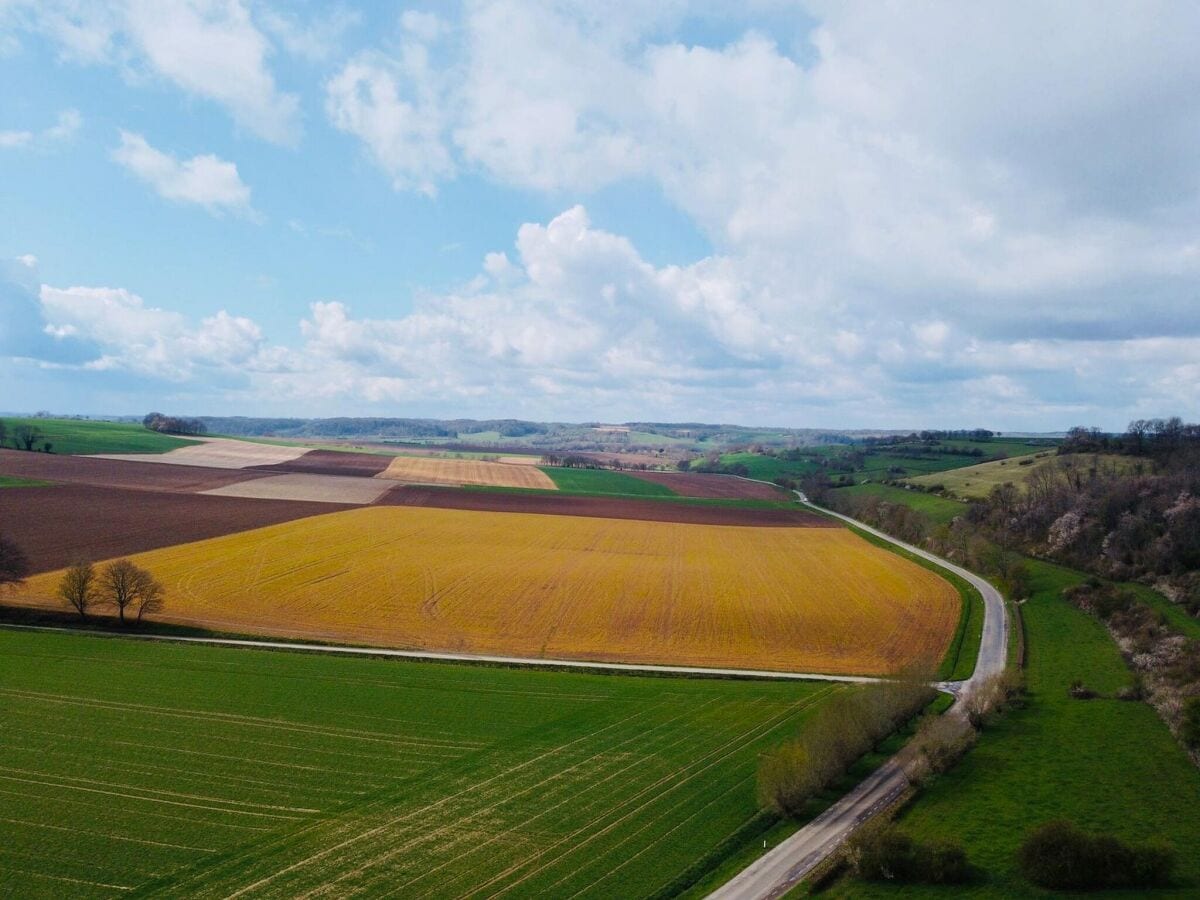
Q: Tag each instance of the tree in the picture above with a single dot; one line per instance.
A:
(14, 564)
(124, 584)
(25, 436)
(3, 432)
(78, 587)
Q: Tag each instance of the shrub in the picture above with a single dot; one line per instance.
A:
(941, 741)
(883, 853)
(993, 696)
(1060, 856)
(1189, 727)
(1080, 691)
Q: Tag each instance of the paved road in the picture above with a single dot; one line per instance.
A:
(632, 668)
(778, 871)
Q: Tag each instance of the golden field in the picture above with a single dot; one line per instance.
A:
(800, 599)
(428, 470)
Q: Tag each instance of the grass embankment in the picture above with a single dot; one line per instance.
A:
(167, 769)
(939, 509)
(73, 436)
(1109, 765)
(10, 481)
(604, 481)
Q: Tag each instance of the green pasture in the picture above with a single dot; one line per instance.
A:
(72, 436)
(940, 509)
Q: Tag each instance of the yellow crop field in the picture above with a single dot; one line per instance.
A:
(428, 470)
(799, 599)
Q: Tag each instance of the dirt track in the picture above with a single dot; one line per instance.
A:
(713, 487)
(56, 525)
(128, 474)
(605, 507)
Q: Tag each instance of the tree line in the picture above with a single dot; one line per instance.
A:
(25, 437)
(156, 421)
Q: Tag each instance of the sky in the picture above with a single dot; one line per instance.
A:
(876, 214)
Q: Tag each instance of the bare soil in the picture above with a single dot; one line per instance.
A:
(713, 487)
(129, 474)
(603, 507)
(333, 462)
(57, 525)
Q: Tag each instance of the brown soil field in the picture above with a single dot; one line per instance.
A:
(602, 507)
(132, 474)
(424, 470)
(56, 525)
(797, 599)
(333, 462)
(303, 486)
(714, 487)
(218, 453)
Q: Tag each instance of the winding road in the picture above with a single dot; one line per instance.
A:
(778, 871)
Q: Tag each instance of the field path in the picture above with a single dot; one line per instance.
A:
(633, 668)
(779, 870)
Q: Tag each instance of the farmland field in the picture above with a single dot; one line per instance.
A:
(465, 471)
(605, 481)
(134, 475)
(78, 436)
(221, 453)
(797, 599)
(174, 770)
(687, 484)
(306, 487)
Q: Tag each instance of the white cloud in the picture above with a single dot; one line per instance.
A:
(28, 260)
(64, 129)
(317, 39)
(209, 48)
(205, 180)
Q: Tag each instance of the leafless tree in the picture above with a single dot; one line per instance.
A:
(78, 587)
(25, 436)
(125, 585)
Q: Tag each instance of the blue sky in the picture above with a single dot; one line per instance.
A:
(798, 214)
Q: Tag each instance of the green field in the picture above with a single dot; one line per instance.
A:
(138, 768)
(604, 481)
(9, 481)
(940, 509)
(1107, 764)
(73, 436)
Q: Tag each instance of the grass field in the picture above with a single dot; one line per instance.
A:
(164, 769)
(1107, 764)
(8, 481)
(75, 437)
(796, 599)
(939, 509)
(432, 470)
(605, 481)
(976, 482)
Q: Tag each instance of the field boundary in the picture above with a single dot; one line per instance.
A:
(482, 659)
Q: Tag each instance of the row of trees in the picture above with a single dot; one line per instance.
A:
(121, 585)
(156, 421)
(849, 725)
(1143, 437)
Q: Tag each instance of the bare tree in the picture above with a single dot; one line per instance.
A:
(25, 436)
(14, 564)
(78, 587)
(150, 596)
(3, 432)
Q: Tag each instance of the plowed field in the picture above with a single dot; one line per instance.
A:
(136, 475)
(333, 462)
(818, 599)
(716, 487)
(425, 470)
(57, 525)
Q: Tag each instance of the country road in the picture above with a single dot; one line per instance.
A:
(778, 871)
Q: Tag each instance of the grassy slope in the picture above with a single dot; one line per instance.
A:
(1107, 764)
(604, 481)
(940, 509)
(78, 437)
(10, 481)
(609, 785)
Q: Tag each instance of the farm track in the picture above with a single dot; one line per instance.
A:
(777, 872)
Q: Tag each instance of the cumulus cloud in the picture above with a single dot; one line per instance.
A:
(68, 123)
(205, 180)
(208, 48)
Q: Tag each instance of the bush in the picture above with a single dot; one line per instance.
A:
(1060, 856)
(883, 853)
(993, 696)
(941, 741)
(1189, 727)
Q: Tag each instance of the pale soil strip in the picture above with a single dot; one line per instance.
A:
(304, 486)
(371, 832)
(457, 824)
(115, 887)
(90, 790)
(738, 743)
(249, 721)
(518, 661)
(216, 453)
(106, 836)
(188, 820)
(430, 470)
(583, 789)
